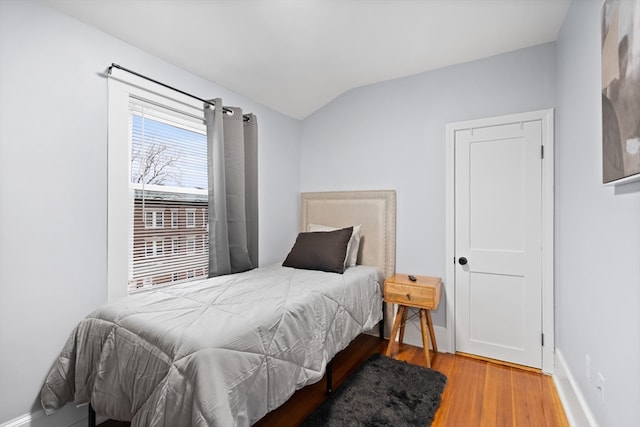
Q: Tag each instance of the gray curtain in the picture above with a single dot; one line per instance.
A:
(233, 190)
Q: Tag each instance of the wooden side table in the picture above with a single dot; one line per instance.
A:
(423, 294)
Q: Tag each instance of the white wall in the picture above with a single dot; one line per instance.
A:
(392, 135)
(53, 183)
(597, 235)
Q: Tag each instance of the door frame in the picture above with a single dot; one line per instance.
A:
(546, 117)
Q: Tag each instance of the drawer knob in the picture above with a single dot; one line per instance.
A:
(408, 296)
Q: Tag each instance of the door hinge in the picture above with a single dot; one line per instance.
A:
(542, 151)
(542, 336)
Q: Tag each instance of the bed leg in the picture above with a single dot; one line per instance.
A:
(92, 416)
(330, 377)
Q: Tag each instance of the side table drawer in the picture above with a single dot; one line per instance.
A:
(412, 295)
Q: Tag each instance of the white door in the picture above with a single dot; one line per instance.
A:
(498, 241)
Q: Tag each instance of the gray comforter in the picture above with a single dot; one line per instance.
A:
(219, 352)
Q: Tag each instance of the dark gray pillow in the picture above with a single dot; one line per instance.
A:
(323, 250)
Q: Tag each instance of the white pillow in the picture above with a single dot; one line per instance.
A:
(352, 247)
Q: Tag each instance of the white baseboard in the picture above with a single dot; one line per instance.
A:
(69, 416)
(24, 420)
(573, 401)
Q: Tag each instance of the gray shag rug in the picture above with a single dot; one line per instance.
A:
(382, 392)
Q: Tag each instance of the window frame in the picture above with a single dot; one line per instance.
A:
(190, 244)
(157, 218)
(156, 244)
(190, 214)
(175, 218)
(122, 87)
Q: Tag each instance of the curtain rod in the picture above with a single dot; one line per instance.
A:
(245, 118)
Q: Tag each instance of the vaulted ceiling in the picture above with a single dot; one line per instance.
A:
(295, 56)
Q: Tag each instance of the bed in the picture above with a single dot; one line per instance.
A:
(227, 350)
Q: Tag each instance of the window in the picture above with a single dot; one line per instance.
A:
(191, 244)
(157, 167)
(153, 219)
(154, 247)
(191, 217)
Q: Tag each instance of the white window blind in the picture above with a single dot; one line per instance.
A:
(167, 185)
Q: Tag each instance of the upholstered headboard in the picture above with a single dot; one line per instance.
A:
(374, 210)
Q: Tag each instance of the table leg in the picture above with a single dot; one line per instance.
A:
(431, 332)
(394, 330)
(403, 322)
(425, 339)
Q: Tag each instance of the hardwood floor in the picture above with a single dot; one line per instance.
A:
(478, 393)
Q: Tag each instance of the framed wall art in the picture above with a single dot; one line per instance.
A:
(620, 26)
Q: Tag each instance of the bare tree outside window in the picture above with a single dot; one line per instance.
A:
(167, 155)
(155, 163)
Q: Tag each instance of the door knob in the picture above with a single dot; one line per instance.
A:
(462, 260)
